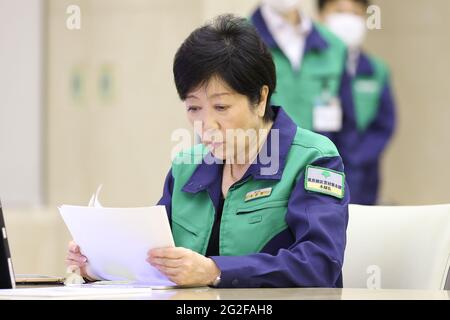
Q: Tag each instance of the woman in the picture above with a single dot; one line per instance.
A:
(269, 210)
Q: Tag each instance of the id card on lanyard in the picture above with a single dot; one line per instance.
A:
(327, 111)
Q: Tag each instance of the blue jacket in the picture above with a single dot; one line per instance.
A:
(310, 251)
(363, 154)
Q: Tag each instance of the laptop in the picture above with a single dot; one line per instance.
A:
(7, 279)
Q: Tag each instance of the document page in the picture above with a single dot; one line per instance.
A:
(68, 292)
(116, 240)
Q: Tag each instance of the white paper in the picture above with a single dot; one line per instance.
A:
(73, 292)
(94, 202)
(116, 240)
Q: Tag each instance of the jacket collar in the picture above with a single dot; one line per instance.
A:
(365, 66)
(314, 40)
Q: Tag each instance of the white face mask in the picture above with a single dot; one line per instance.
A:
(349, 27)
(282, 6)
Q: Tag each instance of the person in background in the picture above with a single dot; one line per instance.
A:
(313, 87)
(372, 96)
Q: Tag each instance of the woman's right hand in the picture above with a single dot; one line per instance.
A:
(76, 260)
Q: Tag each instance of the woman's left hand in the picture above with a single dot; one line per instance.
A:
(183, 266)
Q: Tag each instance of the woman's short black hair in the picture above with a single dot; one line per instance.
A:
(229, 48)
(322, 3)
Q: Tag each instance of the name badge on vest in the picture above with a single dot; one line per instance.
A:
(258, 194)
(366, 86)
(326, 181)
(327, 115)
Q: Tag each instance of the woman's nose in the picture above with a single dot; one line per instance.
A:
(209, 123)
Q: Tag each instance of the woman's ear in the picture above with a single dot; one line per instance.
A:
(263, 101)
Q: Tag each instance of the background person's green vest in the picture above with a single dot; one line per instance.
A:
(367, 93)
(246, 226)
(298, 91)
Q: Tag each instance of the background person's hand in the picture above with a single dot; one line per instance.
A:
(78, 261)
(183, 266)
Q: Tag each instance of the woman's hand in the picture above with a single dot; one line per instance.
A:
(183, 266)
(76, 260)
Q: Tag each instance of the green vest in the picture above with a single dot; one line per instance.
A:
(367, 90)
(246, 226)
(298, 91)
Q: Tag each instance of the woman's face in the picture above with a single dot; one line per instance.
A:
(226, 122)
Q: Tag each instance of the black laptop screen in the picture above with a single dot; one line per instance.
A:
(6, 275)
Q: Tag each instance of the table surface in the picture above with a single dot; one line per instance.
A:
(205, 293)
(299, 294)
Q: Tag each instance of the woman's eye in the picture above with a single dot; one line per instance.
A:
(221, 108)
(192, 109)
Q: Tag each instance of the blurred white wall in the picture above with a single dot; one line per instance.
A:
(21, 89)
(414, 40)
(123, 140)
